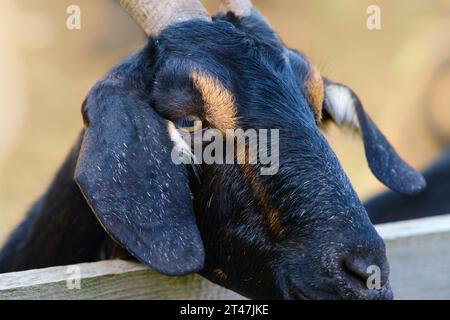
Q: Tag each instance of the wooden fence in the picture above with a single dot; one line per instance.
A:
(418, 251)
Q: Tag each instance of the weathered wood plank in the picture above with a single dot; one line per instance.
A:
(113, 279)
(419, 255)
(418, 250)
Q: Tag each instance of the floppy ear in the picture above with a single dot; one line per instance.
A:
(343, 106)
(126, 174)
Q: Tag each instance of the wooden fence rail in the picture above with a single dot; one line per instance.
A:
(418, 251)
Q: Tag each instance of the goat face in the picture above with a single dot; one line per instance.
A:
(300, 233)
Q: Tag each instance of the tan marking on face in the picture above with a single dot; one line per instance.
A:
(222, 275)
(260, 191)
(220, 104)
(316, 91)
(265, 204)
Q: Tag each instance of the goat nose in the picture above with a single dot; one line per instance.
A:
(372, 274)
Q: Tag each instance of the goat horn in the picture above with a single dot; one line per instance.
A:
(156, 15)
(241, 8)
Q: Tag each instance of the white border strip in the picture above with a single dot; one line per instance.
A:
(412, 228)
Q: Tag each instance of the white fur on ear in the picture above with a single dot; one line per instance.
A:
(340, 104)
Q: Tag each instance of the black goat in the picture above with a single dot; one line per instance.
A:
(435, 200)
(301, 233)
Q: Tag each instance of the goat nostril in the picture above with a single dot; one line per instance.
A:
(356, 268)
(371, 280)
(368, 273)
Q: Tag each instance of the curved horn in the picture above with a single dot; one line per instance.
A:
(155, 15)
(240, 8)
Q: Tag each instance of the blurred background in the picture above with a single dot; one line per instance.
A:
(401, 72)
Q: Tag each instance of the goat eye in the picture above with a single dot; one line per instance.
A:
(189, 124)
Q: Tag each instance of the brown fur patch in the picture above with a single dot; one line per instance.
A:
(221, 112)
(220, 104)
(316, 91)
(265, 204)
(222, 275)
(260, 191)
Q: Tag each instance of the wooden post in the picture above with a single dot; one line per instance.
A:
(113, 279)
(419, 255)
(418, 251)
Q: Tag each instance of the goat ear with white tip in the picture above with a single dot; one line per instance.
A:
(125, 172)
(343, 106)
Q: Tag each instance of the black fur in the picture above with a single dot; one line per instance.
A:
(324, 240)
(383, 160)
(391, 206)
(60, 228)
(126, 174)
